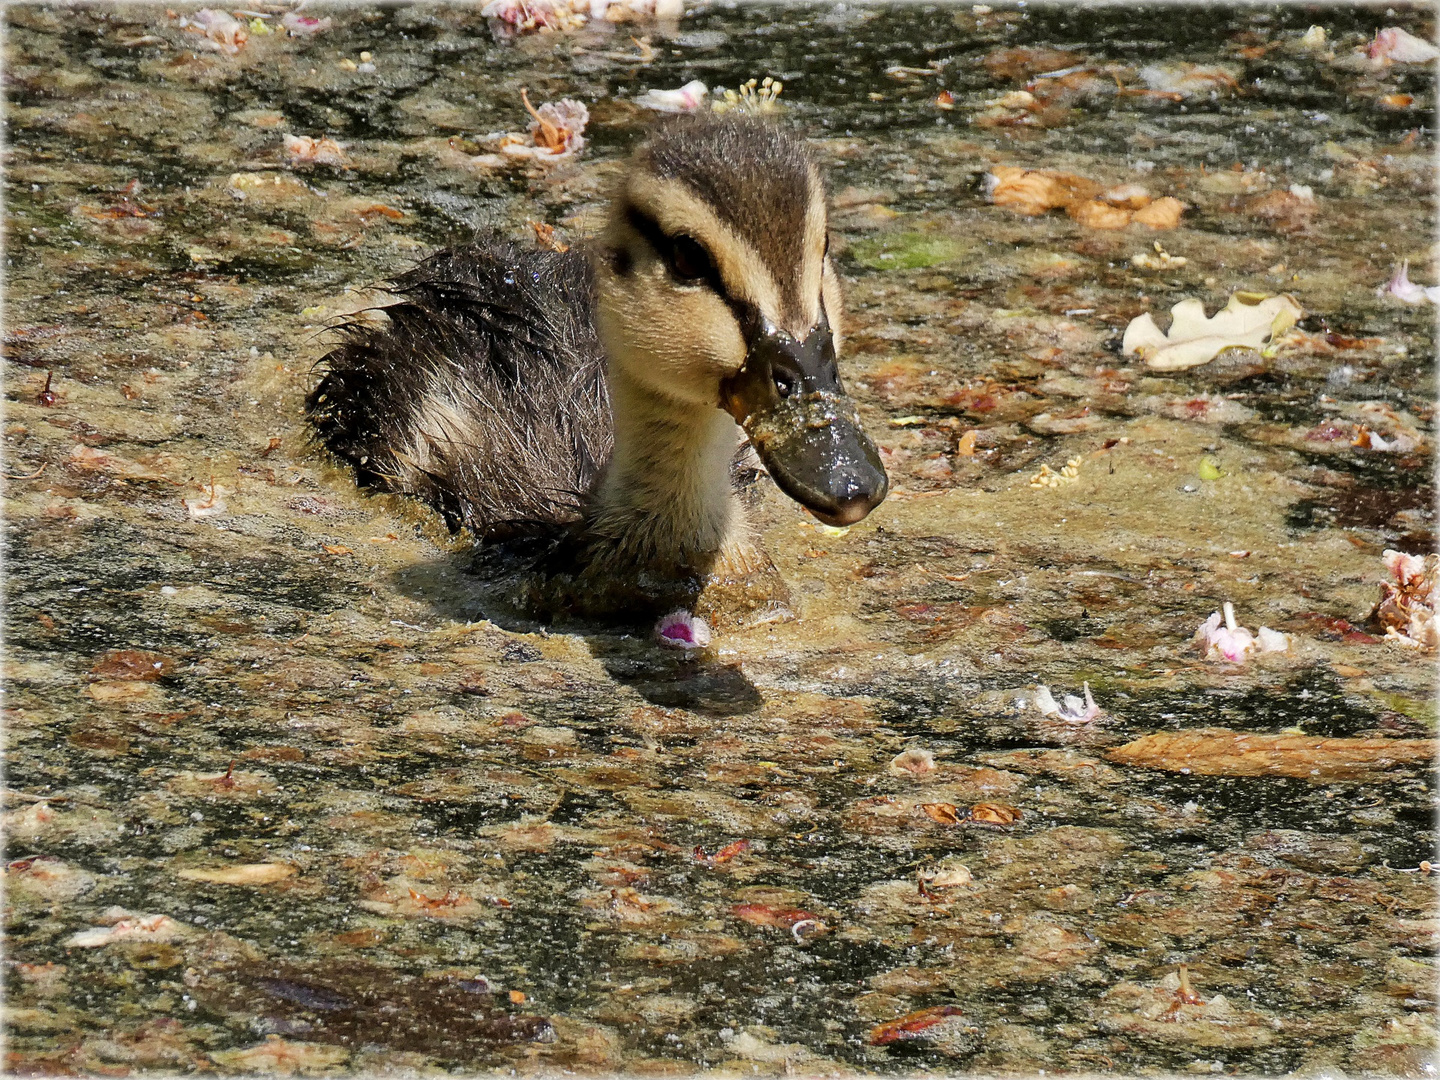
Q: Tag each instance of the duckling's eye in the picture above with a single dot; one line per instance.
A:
(784, 383)
(689, 261)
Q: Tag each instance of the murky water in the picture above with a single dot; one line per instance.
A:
(390, 835)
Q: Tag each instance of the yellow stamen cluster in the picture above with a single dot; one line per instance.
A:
(751, 100)
(1049, 478)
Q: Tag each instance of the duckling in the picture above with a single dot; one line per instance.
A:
(578, 410)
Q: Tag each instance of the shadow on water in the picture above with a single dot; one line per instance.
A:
(664, 678)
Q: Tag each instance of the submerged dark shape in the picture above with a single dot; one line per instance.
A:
(574, 409)
(356, 1004)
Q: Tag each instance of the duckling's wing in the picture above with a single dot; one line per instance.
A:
(484, 395)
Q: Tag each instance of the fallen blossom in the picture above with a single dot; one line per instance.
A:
(949, 876)
(681, 630)
(620, 11)
(1073, 711)
(1027, 61)
(686, 99)
(913, 762)
(304, 25)
(1186, 80)
(1406, 609)
(219, 31)
(1400, 47)
(1229, 641)
(513, 18)
(1272, 640)
(555, 134)
(399, 897)
(127, 926)
(1194, 339)
(46, 877)
(211, 504)
(1402, 288)
(303, 150)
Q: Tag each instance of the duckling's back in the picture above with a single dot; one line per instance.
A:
(484, 395)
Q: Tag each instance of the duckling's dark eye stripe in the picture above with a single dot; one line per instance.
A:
(664, 246)
(746, 313)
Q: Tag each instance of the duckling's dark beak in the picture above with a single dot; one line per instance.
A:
(805, 428)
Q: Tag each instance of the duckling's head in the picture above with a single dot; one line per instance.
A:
(715, 290)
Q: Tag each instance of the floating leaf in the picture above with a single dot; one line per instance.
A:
(992, 813)
(908, 251)
(945, 813)
(1193, 339)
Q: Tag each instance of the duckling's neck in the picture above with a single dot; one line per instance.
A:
(666, 499)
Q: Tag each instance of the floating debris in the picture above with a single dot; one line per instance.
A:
(1072, 711)
(993, 815)
(1194, 339)
(304, 150)
(555, 134)
(514, 18)
(1397, 46)
(1402, 288)
(1048, 478)
(211, 504)
(682, 630)
(750, 99)
(914, 762)
(1035, 191)
(218, 30)
(687, 98)
(1186, 80)
(724, 855)
(923, 1024)
(945, 876)
(125, 925)
(304, 25)
(1159, 260)
(623, 11)
(1232, 642)
(1406, 609)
